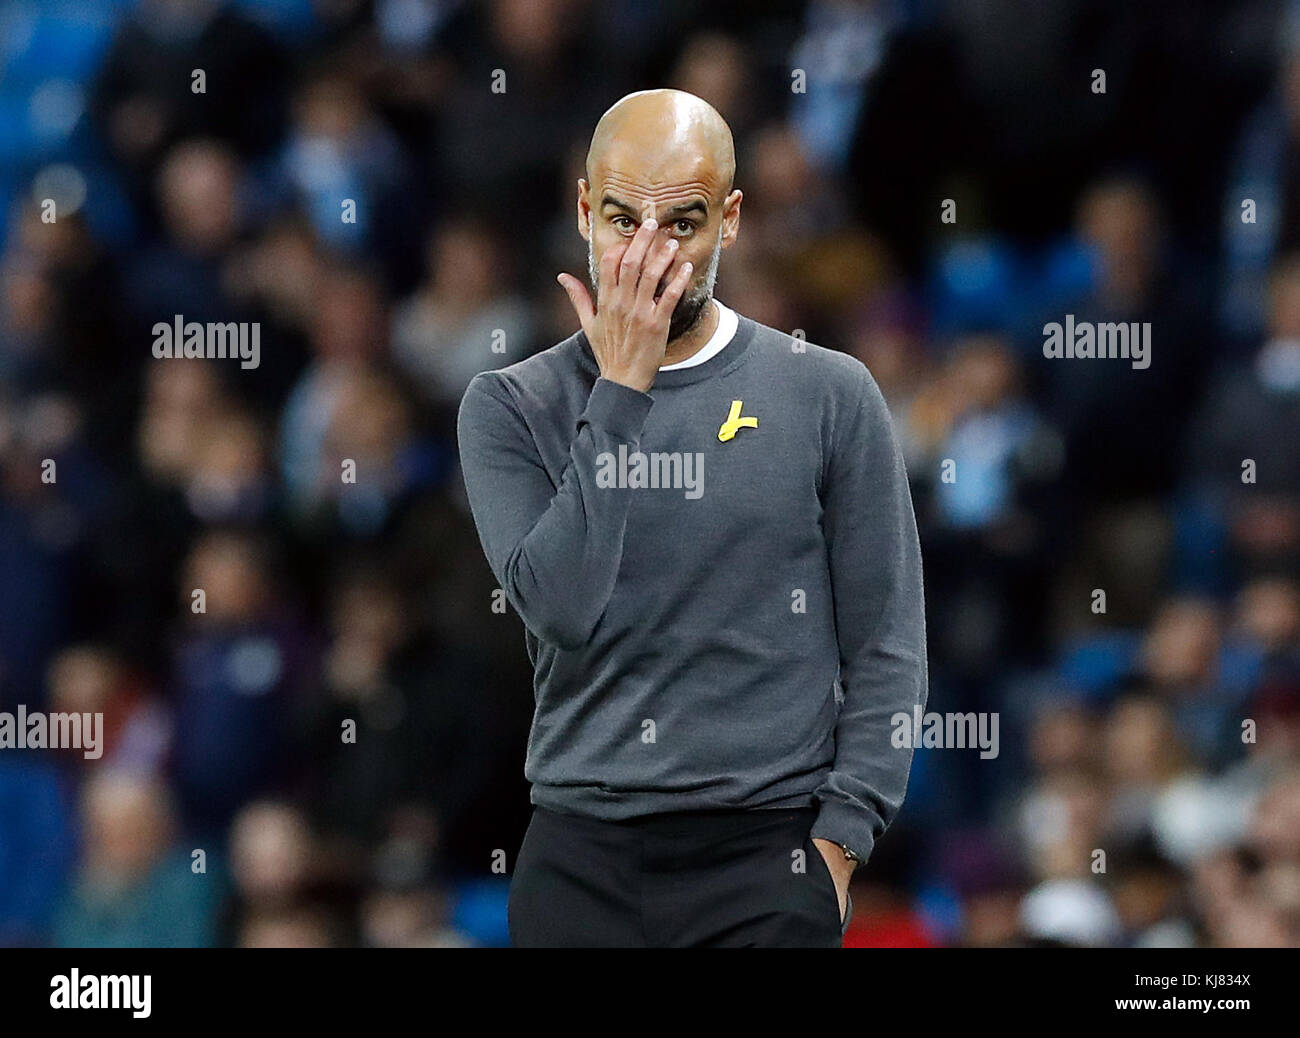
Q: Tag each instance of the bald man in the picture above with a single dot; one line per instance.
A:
(706, 527)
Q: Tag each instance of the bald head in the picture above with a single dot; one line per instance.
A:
(666, 155)
(665, 132)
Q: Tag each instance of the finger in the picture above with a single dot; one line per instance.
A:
(609, 271)
(629, 269)
(578, 297)
(675, 289)
(659, 260)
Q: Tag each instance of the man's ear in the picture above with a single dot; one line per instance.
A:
(584, 209)
(731, 218)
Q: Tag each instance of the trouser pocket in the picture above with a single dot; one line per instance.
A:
(817, 863)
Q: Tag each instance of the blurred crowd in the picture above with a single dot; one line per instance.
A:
(1114, 571)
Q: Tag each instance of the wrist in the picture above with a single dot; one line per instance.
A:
(641, 384)
(833, 853)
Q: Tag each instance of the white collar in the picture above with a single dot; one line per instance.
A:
(723, 334)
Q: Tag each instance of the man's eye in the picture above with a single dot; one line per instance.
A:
(685, 227)
(623, 223)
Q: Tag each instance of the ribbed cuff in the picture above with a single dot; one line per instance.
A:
(850, 826)
(617, 409)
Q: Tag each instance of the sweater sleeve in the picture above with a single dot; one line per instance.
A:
(556, 551)
(875, 565)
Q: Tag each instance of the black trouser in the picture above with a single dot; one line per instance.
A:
(729, 878)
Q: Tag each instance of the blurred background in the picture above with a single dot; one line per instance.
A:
(326, 602)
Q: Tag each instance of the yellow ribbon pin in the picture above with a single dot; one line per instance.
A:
(734, 422)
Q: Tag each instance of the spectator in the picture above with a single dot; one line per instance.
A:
(465, 318)
(135, 887)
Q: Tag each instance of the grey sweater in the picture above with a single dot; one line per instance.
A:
(715, 619)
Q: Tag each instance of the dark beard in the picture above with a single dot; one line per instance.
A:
(686, 315)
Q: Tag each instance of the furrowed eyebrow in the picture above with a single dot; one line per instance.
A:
(676, 212)
(695, 206)
(609, 200)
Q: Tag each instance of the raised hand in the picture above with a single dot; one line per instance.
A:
(628, 325)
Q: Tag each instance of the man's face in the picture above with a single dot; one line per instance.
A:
(690, 307)
(690, 208)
